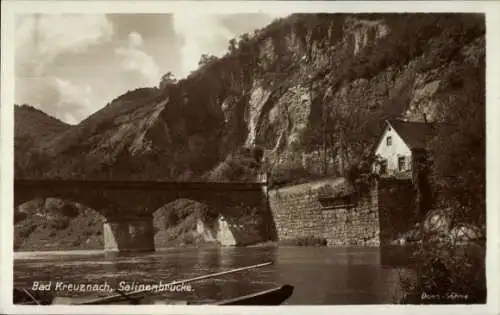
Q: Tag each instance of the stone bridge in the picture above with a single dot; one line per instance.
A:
(128, 206)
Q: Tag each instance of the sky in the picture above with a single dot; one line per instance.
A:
(71, 65)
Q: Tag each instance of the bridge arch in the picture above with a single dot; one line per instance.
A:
(128, 207)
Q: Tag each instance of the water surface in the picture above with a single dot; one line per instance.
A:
(320, 275)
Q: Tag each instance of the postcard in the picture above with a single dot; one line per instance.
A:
(239, 157)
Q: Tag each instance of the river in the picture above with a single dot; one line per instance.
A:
(321, 275)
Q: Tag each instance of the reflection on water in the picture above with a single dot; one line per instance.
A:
(320, 275)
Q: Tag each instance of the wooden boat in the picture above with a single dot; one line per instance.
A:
(274, 296)
(25, 297)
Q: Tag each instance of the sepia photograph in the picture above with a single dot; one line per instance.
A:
(249, 158)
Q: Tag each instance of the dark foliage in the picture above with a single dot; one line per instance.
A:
(459, 164)
(290, 174)
(134, 95)
(242, 165)
(70, 210)
(453, 177)
(177, 211)
(451, 274)
(411, 36)
(19, 216)
(57, 223)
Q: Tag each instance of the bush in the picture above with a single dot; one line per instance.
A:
(207, 214)
(242, 165)
(187, 239)
(28, 227)
(183, 228)
(58, 223)
(177, 211)
(19, 216)
(287, 174)
(449, 274)
(70, 210)
(171, 218)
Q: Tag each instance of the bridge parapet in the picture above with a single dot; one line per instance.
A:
(100, 194)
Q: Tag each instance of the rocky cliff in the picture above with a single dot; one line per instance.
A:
(310, 90)
(284, 88)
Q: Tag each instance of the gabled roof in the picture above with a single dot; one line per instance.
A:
(415, 134)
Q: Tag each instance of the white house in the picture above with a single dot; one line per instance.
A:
(399, 144)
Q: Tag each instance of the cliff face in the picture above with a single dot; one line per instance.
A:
(289, 88)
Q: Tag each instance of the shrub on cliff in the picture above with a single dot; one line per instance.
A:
(449, 274)
(70, 210)
(287, 174)
(58, 222)
(184, 230)
(176, 212)
(408, 42)
(242, 165)
(24, 229)
(19, 216)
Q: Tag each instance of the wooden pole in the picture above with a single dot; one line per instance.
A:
(111, 298)
(31, 296)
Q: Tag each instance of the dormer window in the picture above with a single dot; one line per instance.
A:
(389, 141)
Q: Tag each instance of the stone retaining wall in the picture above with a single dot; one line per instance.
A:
(299, 211)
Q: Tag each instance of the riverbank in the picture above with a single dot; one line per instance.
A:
(187, 240)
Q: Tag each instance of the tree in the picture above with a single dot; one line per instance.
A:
(244, 38)
(457, 179)
(232, 45)
(459, 150)
(167, 79)
(206, 59)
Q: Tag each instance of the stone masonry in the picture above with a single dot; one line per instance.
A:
(299, 211)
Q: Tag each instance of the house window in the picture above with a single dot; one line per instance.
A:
(401, 163)
(389, 141)
(383, 167)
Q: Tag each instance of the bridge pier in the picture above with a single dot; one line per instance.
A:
(129, 234)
